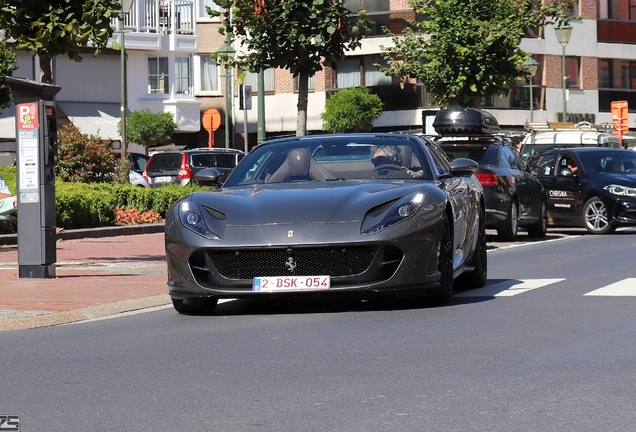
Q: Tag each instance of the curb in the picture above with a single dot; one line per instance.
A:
(110, 231)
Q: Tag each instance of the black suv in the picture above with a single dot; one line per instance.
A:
(179, 166)
(514, 197)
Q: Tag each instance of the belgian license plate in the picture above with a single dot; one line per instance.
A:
(164, 179)
(292, 283)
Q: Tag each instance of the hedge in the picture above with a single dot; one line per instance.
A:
(89, 205)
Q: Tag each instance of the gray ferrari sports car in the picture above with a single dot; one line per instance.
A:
(350, 213)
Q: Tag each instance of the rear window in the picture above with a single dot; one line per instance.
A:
(164, 162)
(475, 152)
(226, 160)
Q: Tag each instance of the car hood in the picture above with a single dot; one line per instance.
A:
(625, 179)
(310, 202)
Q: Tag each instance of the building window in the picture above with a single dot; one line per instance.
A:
(182, 75)
(361, 71)
(158, 82)
(605, 73)
(208, 74)
(573, 72)
(311, 85)
(628, 75)
(202, 4)
(251, 79)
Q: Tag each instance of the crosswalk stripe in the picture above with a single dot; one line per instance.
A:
(508, 288)
(624, 288)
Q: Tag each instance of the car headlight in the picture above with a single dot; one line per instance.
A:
(619, 190)
(192, 218)
(392, 213)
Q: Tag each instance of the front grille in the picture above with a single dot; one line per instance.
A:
(332, 261)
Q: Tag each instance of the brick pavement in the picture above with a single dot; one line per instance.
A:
(97, 273)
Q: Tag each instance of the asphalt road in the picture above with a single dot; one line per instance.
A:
(539, 348)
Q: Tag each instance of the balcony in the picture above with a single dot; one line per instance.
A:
(159, 16)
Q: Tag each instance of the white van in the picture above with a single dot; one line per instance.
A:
(576, 135)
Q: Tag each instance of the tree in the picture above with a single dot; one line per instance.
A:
(353, 109)
(467, 50)
(301, 36)
(55, 27)
(7, 66)
(150, 129)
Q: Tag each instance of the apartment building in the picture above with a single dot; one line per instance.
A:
(168, 69)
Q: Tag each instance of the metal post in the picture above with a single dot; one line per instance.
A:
(261, 106)
(122, 124)
(531, 100)
(227, 106)
(565, 103)
(246, 139)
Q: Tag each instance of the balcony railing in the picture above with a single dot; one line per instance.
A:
(159, 16)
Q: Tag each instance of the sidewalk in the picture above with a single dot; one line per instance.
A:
(99, 272)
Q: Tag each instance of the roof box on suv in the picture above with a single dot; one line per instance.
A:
(465, 122)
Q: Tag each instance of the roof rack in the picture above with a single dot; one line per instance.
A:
(569, 126)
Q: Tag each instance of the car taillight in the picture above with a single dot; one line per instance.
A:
(184, 169)
(144, 174)
(487, 179)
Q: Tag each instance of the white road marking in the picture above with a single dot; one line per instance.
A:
(624, 288)
(508, 288)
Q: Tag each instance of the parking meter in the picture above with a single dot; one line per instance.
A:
(36, 151)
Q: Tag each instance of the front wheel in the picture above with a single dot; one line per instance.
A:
(508, 229)
(540, 229)
(195, 306)
(442, 295)
(596, 217)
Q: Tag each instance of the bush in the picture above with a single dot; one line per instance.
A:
(84, 158)
(353, 109)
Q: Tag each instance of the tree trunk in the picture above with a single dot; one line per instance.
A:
(46, 74)
(303, 92)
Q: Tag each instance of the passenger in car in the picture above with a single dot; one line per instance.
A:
(389, 155)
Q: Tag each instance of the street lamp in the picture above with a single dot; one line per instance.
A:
(125, 9)
(225, 52)
(531, 65)
(563, 32)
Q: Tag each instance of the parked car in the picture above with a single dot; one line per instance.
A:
(580, 135)
(514, 197)
(592, 187)
(329, 214)
(179, 166)
(138, 163)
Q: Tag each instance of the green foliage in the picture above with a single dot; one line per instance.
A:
(353, 109)
(7, 66)
(9, 175)
(150, 129)
(467, 50)
(55, 27)
(300, 36)
(84, 158)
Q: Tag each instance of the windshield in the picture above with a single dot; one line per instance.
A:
(333, 158)
(609, 162)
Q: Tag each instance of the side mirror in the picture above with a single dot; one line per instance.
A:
(565, 172)
(463, 167)
(208, 177)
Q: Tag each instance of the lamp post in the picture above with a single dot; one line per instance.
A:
(563, 32)
(224, 52)
(531, 65)
(125, 9)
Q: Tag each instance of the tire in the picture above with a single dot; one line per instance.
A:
(596, 218)
(540, 229)
(477, 277)
(507, 231)
(442, 295)
(195, 306)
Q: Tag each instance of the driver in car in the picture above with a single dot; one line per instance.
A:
(388, 155)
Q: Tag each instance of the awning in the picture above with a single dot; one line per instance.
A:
(99, 119)
(7, 123)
